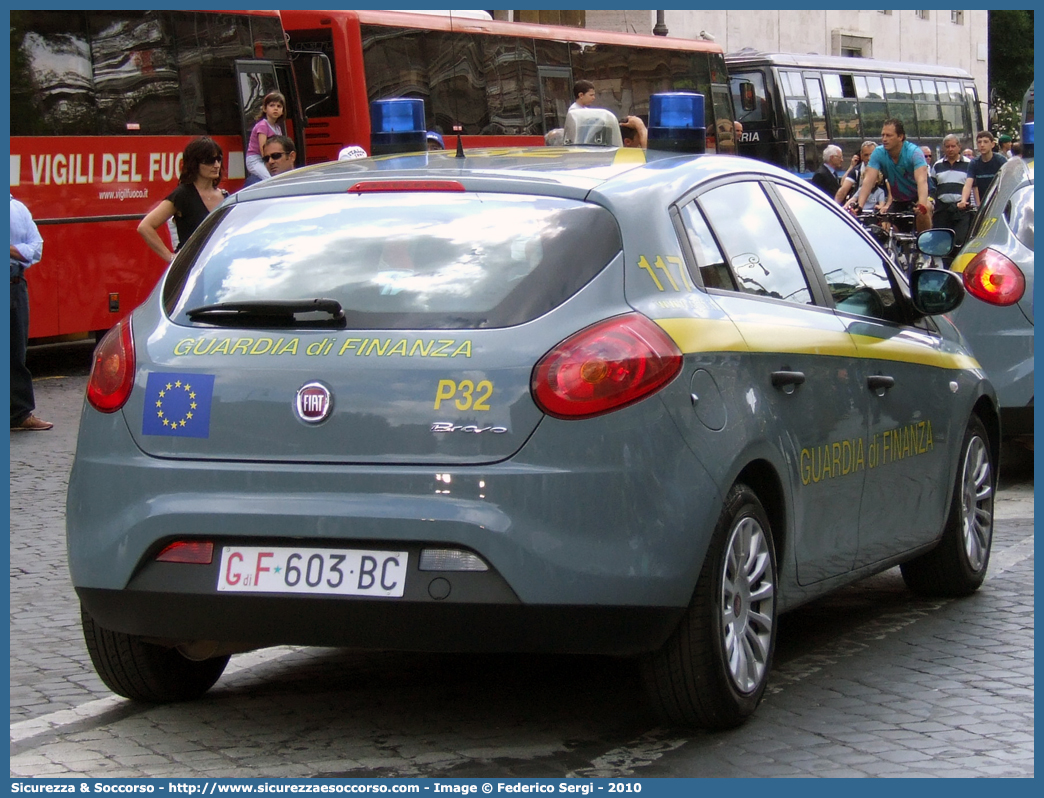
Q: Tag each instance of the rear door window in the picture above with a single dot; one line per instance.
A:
(753, 244)
(402, 260)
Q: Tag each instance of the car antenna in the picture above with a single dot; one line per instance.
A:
(458, 129)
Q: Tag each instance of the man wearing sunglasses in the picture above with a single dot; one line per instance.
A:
(279, 155)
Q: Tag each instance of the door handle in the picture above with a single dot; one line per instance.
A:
(880, 382)
(781, 379)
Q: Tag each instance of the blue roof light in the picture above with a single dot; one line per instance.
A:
(396, 116)
(397, 125)
(677, 122)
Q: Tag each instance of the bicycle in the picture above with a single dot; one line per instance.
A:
(901, 247)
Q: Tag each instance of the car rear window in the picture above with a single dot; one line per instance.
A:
(401, 260)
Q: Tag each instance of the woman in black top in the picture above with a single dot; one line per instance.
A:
(197, 195)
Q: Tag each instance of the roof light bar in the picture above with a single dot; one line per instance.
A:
(677, 122)
(397, 125)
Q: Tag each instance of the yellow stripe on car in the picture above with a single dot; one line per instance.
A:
(629, 156)
(960, 263)
(907, 352)
(723, 335)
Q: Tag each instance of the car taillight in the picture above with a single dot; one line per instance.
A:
(192, 552)
(605, 367)
(112, 374)
(993, 278)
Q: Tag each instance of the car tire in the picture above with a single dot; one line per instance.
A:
(711, 673)
(957, 566)
(142, 671)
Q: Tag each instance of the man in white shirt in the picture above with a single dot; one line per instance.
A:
(26, 249)
(584, 94)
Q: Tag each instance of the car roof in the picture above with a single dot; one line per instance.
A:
(572, 172)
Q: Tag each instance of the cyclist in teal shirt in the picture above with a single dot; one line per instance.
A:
(903, 164)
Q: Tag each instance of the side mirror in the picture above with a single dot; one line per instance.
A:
(322, 74)
(747, 100)
(938, 242)
(936, 291)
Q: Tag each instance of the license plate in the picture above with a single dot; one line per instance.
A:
(343, 572)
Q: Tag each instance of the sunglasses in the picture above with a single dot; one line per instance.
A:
(275, 156)
(213, 160)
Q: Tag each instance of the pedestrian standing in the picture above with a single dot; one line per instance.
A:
(825, 177)
(981, 171)
(929, 159)
(197, 195)
(951, 171)
(851, 179)
(26, 249)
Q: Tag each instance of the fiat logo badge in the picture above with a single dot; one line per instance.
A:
(314, 403)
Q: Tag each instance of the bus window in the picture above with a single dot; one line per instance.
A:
(610, 69)
(553, 54)
(395, 64)
(872, 106)
(900, 104)
(797, 105)
(760, 112)
(724, 128)
(512, 87)
(953, 111)
(974, 112)
(458, 83)
(135, 72)
(52, 91)
(926, 101)
(817, 107)
(844, 112)
(556, 89)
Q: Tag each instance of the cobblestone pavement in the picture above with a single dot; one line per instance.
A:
(871, 681)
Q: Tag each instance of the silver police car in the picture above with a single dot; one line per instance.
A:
(577, 399)
(997, 267)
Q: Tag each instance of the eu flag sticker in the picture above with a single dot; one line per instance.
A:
(178, 405)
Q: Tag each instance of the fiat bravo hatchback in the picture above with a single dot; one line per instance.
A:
(997, 319)
(557, 400)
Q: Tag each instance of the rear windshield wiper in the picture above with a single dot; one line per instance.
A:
(271, 313)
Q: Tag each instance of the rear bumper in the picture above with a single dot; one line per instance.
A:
(603, 514)
(256, 621)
